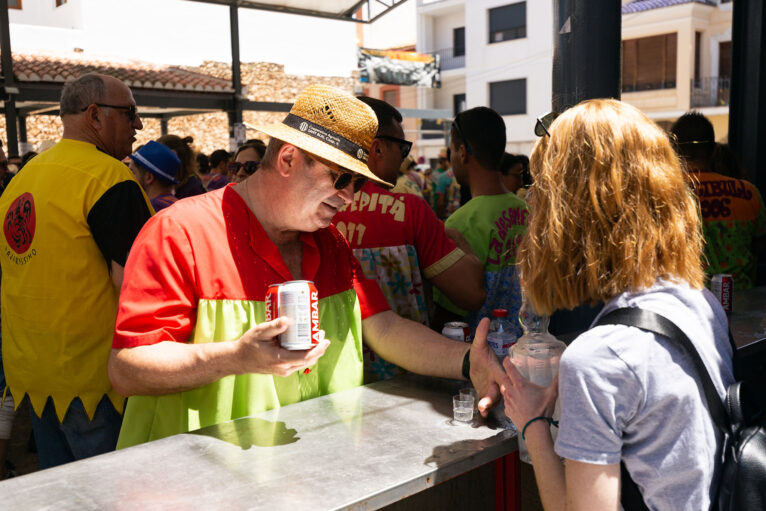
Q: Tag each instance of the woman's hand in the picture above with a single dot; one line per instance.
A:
(523, 399)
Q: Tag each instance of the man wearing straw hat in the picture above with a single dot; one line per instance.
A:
(191, 343)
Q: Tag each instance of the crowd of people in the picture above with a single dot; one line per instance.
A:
(141, 273)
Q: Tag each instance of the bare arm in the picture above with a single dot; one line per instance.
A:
(440, 199)
(463, 283)
(117, 273)
(169, 366)
(413, 346)
(419, 349)
(581, 486)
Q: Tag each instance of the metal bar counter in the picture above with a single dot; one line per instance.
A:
(362, 448)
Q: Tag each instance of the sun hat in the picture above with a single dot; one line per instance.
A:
(332, 125)
(158, 159)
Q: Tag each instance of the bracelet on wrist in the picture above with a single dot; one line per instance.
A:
(549, 420)
(467, 365)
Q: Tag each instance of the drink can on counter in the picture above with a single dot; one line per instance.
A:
(722, 286)
(299, 301)
(457, 331)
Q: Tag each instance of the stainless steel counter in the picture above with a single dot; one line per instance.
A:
(362, 448)
(748, 318)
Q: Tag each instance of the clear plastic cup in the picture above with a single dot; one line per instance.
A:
(462, 408)
(469, 392)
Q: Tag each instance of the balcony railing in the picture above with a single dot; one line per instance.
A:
(710, 91)
(449, 60)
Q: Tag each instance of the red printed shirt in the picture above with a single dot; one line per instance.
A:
(398, 240)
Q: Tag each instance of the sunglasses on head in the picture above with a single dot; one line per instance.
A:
(544, 123)
(404, 145)
(130, 110)
(249, 166)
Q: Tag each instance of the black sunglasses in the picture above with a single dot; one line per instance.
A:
(404, 145)
(459, 132)
(544, 122)
(249, 166)
(130, 110)
(342, 179)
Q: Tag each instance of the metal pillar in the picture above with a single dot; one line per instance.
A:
(22, 127)
(747, 103)
(9, 87)
(236, 77)
(163, 125)
(586, 56)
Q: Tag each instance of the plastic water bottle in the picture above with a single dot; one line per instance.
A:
(501, 335)
(500, 338)
(536, 355)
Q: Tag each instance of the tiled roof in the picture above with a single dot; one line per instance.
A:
(53, 68)
(647, 5)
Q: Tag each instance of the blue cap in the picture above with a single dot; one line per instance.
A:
(158, 159)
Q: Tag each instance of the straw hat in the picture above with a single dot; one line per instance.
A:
(333, 125)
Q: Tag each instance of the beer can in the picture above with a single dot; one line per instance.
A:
(722, 286)
(457, 331)
(299, 301)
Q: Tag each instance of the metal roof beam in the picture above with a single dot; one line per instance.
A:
(346, 15)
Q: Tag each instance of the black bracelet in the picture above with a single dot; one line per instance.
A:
(467, 365)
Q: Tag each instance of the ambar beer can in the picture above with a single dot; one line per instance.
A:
(299, 301)
(457, 331)
(722, 286)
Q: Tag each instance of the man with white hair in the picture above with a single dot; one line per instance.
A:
(191, 343)
(69, 221)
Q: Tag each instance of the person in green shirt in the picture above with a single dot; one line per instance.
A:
(493, 221)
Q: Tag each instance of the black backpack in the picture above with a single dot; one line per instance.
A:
(742, 483)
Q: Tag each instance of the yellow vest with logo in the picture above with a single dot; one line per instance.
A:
(58, 300)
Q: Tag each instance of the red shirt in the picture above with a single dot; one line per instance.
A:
(211, 247)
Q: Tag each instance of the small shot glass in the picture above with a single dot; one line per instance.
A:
(462, 408)
(469, 392)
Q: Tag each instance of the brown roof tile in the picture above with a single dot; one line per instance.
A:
(43, 67)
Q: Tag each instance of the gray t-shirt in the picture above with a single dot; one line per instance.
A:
(629, 395)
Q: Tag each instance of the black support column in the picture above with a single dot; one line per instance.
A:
(163, 125)
(22, 127)
(235, 116)
(9, 87)
(747, 104)
(586, 55)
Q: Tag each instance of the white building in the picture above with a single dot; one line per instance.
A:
(499, 53)
(496, 53)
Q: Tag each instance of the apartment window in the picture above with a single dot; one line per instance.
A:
(508, 22)
(508, 97)
(458, 42)
(14, 4)
(59, 3)
(649, 63)
(724, 59)
(390, 97)
(458, 103)
(697, 57)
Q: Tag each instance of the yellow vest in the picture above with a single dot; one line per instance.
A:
(58, 300)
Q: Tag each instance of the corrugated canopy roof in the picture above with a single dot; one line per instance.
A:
(360, 11)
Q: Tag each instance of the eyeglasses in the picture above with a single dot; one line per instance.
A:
(342, 179)
(456, 124)
(404, 145)
(130, 110)
(249, 166)
(544, 122)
